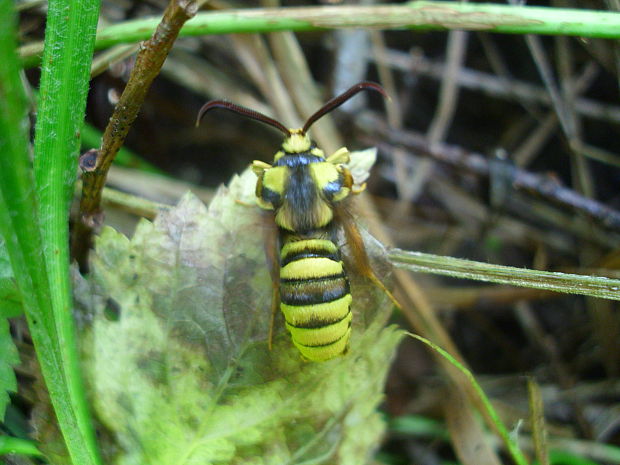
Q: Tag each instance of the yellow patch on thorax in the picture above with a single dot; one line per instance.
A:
(323, 173)
(275, 178)
(317, 152)
(323, 214)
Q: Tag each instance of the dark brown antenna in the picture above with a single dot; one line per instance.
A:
(242, 111)
(340, 99)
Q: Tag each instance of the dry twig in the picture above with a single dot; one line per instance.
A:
(478, 164)
(149, 61)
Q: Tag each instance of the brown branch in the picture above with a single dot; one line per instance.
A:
(504, 87)
(544, 186)
(149, 61)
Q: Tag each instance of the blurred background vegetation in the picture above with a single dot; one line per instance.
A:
(471, 114)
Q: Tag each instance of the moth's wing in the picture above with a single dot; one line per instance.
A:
(271, 243)
(359, 257)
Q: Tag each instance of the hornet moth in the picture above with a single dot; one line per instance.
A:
(305, 196)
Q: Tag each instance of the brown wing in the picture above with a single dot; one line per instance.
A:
(343, 216)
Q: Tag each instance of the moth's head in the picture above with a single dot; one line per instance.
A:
(298, 143)
(296, 140)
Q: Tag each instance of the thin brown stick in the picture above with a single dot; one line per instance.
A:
(448, 93)
(149, 61)
(547, 125)
(504, 87)
(476, 163)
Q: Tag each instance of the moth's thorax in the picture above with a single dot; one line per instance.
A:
(302, 185)
(302, 188)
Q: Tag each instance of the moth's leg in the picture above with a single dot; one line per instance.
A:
(348, 180)
(259, 167)
(245, 204)
(358, 189)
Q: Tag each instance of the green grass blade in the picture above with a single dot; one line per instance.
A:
(513, 450)
(566, 458)
(10, 445)
(20, 234)
(20, 227)
(419, 426)
(594, 286)
(69, 41)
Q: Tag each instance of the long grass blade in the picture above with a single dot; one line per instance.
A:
(594, 286)
(69, 43)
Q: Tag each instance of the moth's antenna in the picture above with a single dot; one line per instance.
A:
(340, 99)
(242, 111)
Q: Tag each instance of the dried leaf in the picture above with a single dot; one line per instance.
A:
(175, 348)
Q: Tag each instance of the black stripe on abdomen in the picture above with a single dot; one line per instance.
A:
(313, 291)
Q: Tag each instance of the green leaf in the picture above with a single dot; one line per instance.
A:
(10, 299)
(176, 356)
(8, 358)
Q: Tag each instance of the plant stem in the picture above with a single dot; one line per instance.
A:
(148, 64)
(594, 286)
(437, 15)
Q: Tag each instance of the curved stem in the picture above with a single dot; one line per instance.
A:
(436, 15)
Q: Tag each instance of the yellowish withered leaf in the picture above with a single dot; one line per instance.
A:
(175, 348)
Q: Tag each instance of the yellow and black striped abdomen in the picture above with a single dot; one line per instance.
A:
(315, 297)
